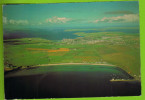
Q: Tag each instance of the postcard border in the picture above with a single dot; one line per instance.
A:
(142, 45)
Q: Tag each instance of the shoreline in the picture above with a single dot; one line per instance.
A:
(74, 64)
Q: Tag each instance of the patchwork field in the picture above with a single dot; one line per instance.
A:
(115, 48)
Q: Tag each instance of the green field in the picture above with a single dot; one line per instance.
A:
(116, 48)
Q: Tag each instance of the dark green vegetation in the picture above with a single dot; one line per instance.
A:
(116, 48)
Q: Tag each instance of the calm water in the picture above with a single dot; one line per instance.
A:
(66, 81)
(55, 33)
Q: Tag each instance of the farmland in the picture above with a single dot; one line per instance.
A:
(115, 48)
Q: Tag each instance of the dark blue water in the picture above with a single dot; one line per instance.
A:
(50, 34)
(69, 81)
(56, 33)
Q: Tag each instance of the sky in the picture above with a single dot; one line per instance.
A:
(92, 14)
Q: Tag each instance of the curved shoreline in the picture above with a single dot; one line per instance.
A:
(74, 64)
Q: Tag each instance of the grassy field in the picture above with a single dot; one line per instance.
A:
(117, 48)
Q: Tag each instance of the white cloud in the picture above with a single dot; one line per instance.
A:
(12, 21)
(5, 21)
(18, 22)
(56, 19)
(125, 18)
(40, 23)
(96, 21)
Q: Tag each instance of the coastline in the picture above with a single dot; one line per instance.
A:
(74, 64)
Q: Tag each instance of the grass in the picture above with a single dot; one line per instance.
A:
(116, 48)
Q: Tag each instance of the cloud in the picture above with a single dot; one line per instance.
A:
(125, 18)
(96, 21)
(5, 20)
(40, 23)
(18, 22)
(119, 12)
(56, 19)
